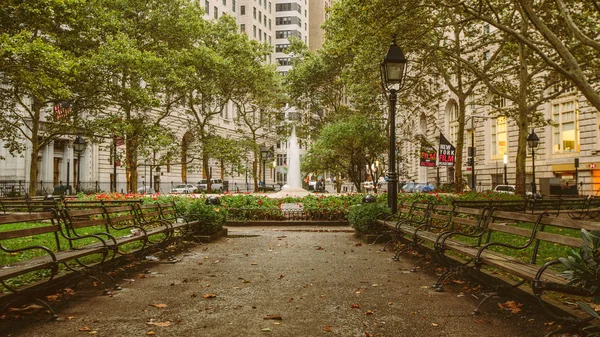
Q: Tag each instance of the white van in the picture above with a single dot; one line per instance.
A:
(216, 185)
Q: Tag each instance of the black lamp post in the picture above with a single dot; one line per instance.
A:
(79, 147)
(505, 162)
(532, 141)
(392, 75)
(264, 153)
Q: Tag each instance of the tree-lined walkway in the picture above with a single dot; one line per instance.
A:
(278, 282)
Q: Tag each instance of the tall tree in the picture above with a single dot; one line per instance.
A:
(349, 146)
(41, 59)
(566, 36)
(137, 61)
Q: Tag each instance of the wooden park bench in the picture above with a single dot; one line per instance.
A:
(35, 246)
(499, 240)
(120, 225)
(28, 204)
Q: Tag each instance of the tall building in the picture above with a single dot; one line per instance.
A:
(317, 15)
(291, 19)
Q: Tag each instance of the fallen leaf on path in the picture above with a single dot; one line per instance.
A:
(369, 312)
(549, 323)
(358, 244)
(435, 324)
(266, 330)
(69, 318)
(355, 305)
(150, 333)
(85, 328)
(210, 295)
(158, 305)
(320, 248)
(369, 334)
(26, 310)
(163, 324)
(277, 317)
(328, 328)
(512, 306)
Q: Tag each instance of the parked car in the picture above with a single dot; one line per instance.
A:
(146, 190)
(423, 188)
(183, 189)
(216, 185)
(510, 189)
(409, 186)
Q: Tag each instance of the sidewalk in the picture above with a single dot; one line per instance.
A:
(309, 283)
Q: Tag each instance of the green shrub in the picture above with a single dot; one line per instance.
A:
(210, 218)
(363, 217)
(583, 268)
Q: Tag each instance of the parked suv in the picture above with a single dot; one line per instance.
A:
(510, 189)
(216, 185)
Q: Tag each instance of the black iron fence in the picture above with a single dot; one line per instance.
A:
(17, 188)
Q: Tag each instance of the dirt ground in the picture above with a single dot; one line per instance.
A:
(279, 282)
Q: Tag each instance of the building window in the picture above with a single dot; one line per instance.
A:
(233, 6)
(224, 2)
(284, 34)
(265, 20)
(242, 10)
(254, 31)
(207, 7)
(260, 34)
(566, 129)
(487, 55)
(269, 7)
(243, 28)
(453, 123)
(281, 48)
(260, 16)
(269, 24)
(216, 12)
(254, 12)
(284, 61)
(499, 138)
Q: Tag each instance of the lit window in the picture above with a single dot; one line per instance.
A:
(499, 138)
(566, 129)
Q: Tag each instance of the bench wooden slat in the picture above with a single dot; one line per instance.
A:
(19, 233)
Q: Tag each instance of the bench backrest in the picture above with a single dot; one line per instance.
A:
(19, 226)
(29, 205)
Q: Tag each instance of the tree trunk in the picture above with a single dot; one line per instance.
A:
(255, 171)
(460, 144)
(131, 164)
(35, 147)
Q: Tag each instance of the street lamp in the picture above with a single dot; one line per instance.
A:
(392, 75)
(532, 141)
(505, 162)
(264, 154)
(79, 147)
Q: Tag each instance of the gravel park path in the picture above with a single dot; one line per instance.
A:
(283, 282)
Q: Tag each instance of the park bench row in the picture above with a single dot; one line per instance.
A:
(85, 240)
(488, 238)
(576, 208)
(43, 204)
